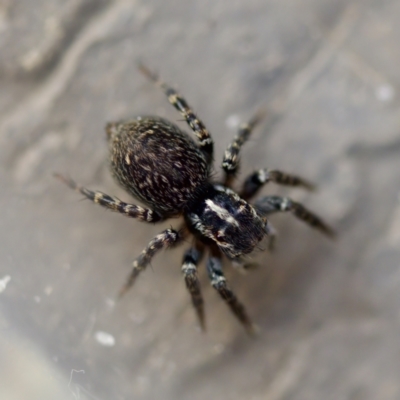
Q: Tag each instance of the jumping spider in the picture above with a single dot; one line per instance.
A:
(158, 163)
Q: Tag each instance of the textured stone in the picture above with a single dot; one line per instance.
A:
(327, 74)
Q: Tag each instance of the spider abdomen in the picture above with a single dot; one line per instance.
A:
(156, 162)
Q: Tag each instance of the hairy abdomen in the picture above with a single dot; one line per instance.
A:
(156, 162)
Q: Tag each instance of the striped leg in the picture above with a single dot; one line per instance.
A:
(272, 204)
(231, 161)
(205, 141)
(218, 281)
(189, 269)
(112, 203)
(261, 177)
(165, 239)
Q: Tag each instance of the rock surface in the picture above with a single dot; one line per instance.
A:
(328, 312)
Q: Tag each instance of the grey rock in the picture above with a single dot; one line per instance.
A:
(327, 74)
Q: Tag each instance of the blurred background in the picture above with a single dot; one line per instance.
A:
(327, 72)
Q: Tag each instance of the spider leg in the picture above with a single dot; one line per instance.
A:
(231, 161)
(258, 179)
(165, 239)
(218, 281)
(189, 269)
(272, 204)
(112, 203)
(205, 141)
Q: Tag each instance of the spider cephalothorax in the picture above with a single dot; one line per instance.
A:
(158, 163)
(229, 221)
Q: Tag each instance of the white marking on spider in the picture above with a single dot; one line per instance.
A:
(242, 207)
(262, 175)
(197, 224)
(284, 204)
(221, 212)
(98, 197)
(173, 98)
(217, 280)
(188, 266)
(220, 188)
(226, 190)
(253, 212)
(206, 141)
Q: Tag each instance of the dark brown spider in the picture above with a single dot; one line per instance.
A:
(158, 163)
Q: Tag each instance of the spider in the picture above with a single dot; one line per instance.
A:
(159, 164)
